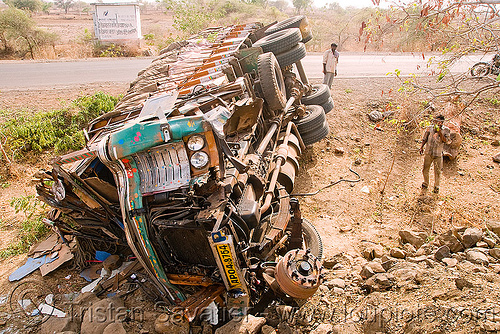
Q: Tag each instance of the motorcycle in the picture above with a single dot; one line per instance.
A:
(483, 69)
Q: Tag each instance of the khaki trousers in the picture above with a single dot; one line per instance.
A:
(438, 166)
(328, 79)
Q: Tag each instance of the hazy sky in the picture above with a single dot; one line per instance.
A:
(345, 3)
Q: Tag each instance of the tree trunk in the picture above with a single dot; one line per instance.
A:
(31, 47)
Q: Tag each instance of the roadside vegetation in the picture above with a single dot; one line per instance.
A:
(26, 133)
(27, 136)
(29, 225)
(19, 35)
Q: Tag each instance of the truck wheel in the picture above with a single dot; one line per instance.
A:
(328, 106)
(280, 41)
(271, 81)
(293, 22)
(292, 56)
(480, 70)
(319, 95)
(312, 120)
(307, 38)
(312, 239)
(316, 135)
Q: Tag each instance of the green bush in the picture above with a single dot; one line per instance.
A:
(58, 130)
(31, 5)
(31, 229)
(20, 35)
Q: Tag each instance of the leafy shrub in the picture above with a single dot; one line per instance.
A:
(31, 5)
(112, 50)
(31, 229)
(59, 130)
(20, 35)
(191, 17)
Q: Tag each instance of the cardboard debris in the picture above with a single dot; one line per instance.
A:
(48, 245)
(64, 256)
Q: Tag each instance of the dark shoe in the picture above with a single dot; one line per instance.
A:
(424, 186)
(436, 190)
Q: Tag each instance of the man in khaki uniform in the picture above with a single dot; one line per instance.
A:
(435, 137)
(330, 60)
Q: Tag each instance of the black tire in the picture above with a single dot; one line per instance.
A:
(291, 22)
(320, 94)
(312, 120)
(315, 136)
(271, 81)
(328, 106)
(307, 38)
(480, 70)
(291, 56)
(280, 41)
(312, 239)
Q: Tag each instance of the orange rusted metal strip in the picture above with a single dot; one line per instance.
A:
(189, 280)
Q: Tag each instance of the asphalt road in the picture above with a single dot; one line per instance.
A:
(36, 74)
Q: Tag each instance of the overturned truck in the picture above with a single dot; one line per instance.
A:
(194, 170)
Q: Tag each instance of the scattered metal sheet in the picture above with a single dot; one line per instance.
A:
(30, 266)
(92, 273)
(101, 256)
(51, 310)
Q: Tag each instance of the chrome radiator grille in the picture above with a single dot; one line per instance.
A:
(163, 168)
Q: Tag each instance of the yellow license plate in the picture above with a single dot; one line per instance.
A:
(227, 262)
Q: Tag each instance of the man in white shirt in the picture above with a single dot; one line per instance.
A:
(330, 60)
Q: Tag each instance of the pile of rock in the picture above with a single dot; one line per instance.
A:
(418, 251)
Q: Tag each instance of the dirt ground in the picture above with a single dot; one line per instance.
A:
(385, 157)
(343, 214)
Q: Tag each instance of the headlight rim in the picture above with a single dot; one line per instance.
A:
(204, 155)
(192, 138)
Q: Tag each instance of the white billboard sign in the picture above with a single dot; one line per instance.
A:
(118, 21)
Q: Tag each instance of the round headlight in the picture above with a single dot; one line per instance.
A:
(199, 160)
(195, 143)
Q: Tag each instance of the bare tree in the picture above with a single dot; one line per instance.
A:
(65, 4)
(454, 28)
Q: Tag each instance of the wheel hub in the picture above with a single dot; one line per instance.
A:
(298, 274)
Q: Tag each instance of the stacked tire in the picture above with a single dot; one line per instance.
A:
(286, 40)
(313, 125)
(293, 22)
(319, 95)
(284, 45)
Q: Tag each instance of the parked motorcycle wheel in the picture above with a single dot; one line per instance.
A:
(271, 81)
(312, 239)
(480, 70)
(279, 42)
